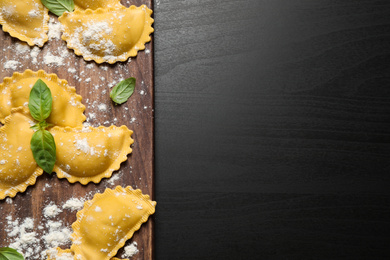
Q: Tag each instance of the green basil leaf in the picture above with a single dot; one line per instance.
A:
(36, 127)
(7, 253)
(40, 101)
(41, 126)
(58, 7)
(44, 149)
(123, 91)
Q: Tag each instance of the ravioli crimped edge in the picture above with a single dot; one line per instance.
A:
(125, 151)
(16, 76)
(65, 251)
(111, 192)
(139, 46)
(30, 41)
(32, 179)
(115, 2)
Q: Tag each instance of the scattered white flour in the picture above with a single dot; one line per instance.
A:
(51, 211)
(22, 48)
(12, 64)
(65, 256)
(72, 70)
(23, 237)
(90, 38)
(34, 13)
(83, 145)
(131, 250)
(34, 54)
(52, 59)
(102, 107)
(57, 234)
(55, 29)
(73, 204)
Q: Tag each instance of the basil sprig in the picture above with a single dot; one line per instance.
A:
(40, 101)
(7, 253)
(42, 142)
(123, 91)
(58, 7)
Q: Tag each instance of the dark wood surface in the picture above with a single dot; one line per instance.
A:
(272, 129)
(136, 172)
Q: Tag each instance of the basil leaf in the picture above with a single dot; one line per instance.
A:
(41, 126)
(7, 253)
(44, 149)
(58, 7)
(36, 127)
(40, 101)
(123, 91)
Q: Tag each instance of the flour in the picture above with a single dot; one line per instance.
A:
(22, 48)
(102, 107)
(72, 70)
(23, 236)
(12, 64)
(92, 41)
(83, 145)
(131, 250)
(51, 211)
(34, 54)
(55, 29)
(52, 59)
(34, 13)
(74, 204)
(65, 256)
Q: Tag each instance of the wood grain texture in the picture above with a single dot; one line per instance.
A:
(273, 135)
(137, 114)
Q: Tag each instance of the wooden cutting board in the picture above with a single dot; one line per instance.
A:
(92, 83)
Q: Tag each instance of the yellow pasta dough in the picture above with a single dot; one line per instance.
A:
(84, 154)
(26, 20)
(107, 221)
(108, 35)
(95, 4)
(64, 254)
(18, 168)
(90, 154)
(67, 109)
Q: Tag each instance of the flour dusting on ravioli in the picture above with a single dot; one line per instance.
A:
(26, 20)
(108, 35)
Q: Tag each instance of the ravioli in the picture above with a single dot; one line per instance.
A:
(90, 154)
(26, 20)
(95, 4)
(18, 168)
(107, 35)
(84, 154)
(107, 221)
(67, 109)
(65, 254)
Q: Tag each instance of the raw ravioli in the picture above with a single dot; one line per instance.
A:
(108, 35)
(67, 109)
(107, 221)
(62, 254)
(18, 168)
(90, 154)
(26, 20)
(95, 4)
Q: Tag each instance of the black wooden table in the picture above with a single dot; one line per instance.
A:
(272, 129)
